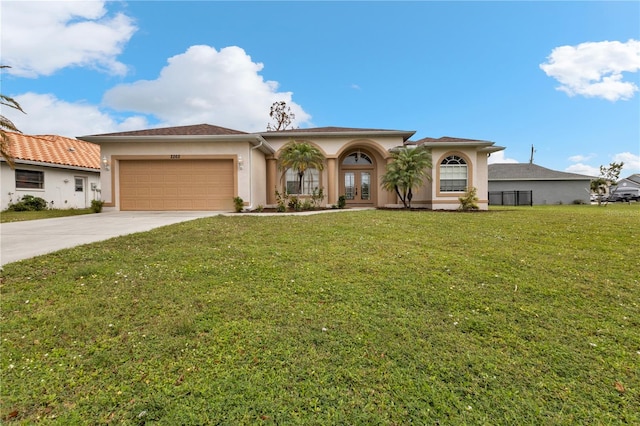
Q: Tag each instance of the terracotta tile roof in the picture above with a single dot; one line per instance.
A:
(54, 149)
(194, 130)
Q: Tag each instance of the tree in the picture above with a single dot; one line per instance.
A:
(608, 177)
(282, 116)
(407, 172)
(301, 156)
(7, 125)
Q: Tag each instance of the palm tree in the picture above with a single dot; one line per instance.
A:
(6, 124)
(301, 156)
(407, 172)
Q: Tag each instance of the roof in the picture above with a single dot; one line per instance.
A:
(338, 131)
(53, 149)
(529, 171)
(449, 139)
(194, 130)
(635, 178)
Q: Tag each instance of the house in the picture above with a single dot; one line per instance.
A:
(626, 189)
(203, 167)
(536, 184)
(64, 172)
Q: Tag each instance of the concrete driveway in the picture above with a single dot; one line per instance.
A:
(23, 240)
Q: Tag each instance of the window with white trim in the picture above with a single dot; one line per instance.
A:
(453, 174)
(29, 179)
(310, 181)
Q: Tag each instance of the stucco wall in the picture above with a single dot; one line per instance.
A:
(548, 192)
(253, 163)
(59, 187)
(429, 195)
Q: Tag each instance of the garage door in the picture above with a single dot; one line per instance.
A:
(176, 185)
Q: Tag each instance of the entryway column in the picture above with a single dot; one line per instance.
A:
(332, 190)
(272, 179)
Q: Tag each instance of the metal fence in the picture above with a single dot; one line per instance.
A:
(511, 198)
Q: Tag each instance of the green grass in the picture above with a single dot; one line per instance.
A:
(512, 316)
(9, 216)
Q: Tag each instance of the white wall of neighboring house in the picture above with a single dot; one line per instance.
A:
(59, 189)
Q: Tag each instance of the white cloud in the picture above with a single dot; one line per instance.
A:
(45, 114)
(583, 169)
(594, 69)
(498, 157)
(39, 38)
(580, 158)
(204, 85)
(631, 162)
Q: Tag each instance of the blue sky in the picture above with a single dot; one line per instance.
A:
(561, 76)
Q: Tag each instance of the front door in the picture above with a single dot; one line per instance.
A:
(357, 186)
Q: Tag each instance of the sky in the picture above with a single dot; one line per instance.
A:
(561, 77)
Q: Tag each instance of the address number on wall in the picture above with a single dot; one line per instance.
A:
(175, 156)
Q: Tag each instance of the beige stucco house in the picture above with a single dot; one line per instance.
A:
(203, 167)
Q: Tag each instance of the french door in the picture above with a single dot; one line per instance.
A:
(357, 186)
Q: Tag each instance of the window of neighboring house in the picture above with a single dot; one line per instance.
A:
(29, 179)
(79, 183)
(310, 181)
(453, 174)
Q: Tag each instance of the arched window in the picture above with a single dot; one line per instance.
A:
(357, 158)
(310, 181)
(453, 174)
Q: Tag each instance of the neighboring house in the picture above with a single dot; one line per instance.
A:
(64, 172)
(547, 186)
(626, 189)
(203, 167)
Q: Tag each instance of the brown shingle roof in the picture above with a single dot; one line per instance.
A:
(194, 130)
(329, 130)
(54, 149)
(447, 139)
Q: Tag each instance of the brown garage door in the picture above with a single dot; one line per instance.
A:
(176, 184)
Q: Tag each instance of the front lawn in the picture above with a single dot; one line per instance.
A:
(512, 316)
(11, 216)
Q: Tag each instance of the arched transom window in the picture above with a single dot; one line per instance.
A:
(453, 174)
(357, 158)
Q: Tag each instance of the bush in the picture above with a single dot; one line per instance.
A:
(342, 202)
(295, 204)
(28, 203)
(96, 206)
(282, 200)
(469, 201)
(316, 197)
(238, 204)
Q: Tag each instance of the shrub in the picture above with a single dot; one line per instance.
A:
(469, 201)
(295, 204)
(28, 203)
(316, 197)
(342, 202)
(238, 204)
(96, 206)
(259, 208)
(281, 200)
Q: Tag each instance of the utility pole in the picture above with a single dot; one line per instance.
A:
(532, 151)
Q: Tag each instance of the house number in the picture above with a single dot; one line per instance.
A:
(175, 156)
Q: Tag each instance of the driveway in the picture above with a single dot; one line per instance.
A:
(23, 240)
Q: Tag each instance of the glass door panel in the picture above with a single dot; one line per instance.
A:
(349, 185)
(365, 186)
